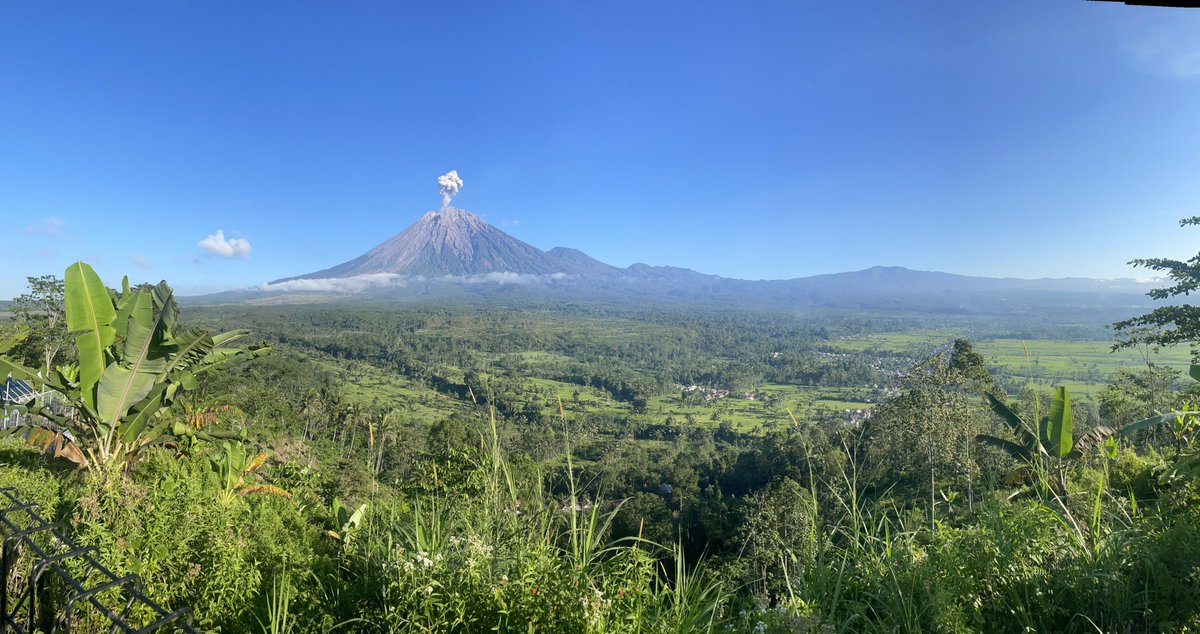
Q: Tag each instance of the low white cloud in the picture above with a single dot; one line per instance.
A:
(218, 245)
(355, 284)
(52, 227)
(367, 281)
(139, 261)
(503, 278)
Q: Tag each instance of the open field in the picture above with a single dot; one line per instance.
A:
(1085, 367)
(533, 359)
(364, 384)
(912, 342)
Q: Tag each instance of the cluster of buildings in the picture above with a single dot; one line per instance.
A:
(714, 394)
(710, 394)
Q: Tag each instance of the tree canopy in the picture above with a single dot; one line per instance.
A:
(1166, 325)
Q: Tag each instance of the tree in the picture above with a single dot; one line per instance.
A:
(778, 533)
(923, 435)
(132, 367)
(972, 369)
(1136, 394)
(382, 434)
(42, 312)
(1166, 325)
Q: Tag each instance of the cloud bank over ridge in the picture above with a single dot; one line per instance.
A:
(369, 281)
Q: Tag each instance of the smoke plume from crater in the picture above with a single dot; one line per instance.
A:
(449, 183)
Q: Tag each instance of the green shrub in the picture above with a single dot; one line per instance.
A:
(171, 525)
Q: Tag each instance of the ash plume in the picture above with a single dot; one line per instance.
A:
(449, 183)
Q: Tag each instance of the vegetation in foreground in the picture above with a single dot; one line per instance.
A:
(262, 498)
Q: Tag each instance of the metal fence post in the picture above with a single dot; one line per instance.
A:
(89, 589)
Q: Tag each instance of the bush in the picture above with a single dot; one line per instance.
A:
(171, 525)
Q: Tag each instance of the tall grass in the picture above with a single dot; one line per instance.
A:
(1009, 566)
(517, 557)
(510, 552)
(279, 619)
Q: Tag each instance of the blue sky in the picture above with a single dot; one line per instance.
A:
(748, 139)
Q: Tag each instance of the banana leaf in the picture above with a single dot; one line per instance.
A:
(1011, 448)
(1024, 434)
(1092, 439)
(1060, 423)
(89, 312)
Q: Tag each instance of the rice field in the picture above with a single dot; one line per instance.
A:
(1085, 367)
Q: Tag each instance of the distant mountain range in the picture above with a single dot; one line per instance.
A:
(455, 252)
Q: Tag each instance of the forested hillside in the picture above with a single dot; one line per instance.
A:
(591, 467)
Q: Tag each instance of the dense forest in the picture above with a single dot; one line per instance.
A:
(416, 467)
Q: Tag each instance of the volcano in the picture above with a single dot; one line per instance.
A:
(457, 242)
(452, 251)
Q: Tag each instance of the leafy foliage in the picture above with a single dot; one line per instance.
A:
(234, 467)
(39, 316)
(132, 367)
(1167, 325)
(418, 508)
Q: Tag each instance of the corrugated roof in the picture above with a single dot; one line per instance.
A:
(16, 391)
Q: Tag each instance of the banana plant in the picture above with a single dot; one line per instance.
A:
(346, 521)
(192, 423)
(1046, 449)
(234, 469)
(1183, 423)
(132, 367)
(1184, 426)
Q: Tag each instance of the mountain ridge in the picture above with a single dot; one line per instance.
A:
(454, 243)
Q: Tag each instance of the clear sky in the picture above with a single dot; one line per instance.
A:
(748, 139)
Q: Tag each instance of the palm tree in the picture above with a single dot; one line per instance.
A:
(385, 433)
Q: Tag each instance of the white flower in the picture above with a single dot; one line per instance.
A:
(428, 589)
